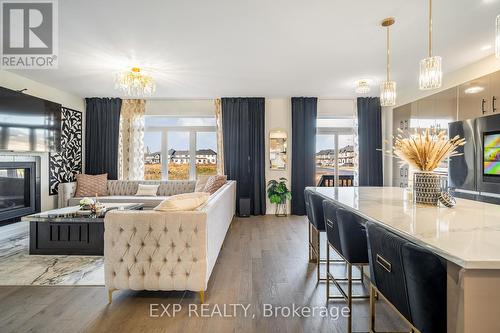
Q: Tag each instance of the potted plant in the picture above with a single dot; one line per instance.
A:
(278, 193)
(424, 151)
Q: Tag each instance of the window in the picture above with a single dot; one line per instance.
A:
(335, 152)
(179, 148)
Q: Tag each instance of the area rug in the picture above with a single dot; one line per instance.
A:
(17, 267)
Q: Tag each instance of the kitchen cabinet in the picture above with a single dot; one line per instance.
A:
(475, 98)
(495, 93)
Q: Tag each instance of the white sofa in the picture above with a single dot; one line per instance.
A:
(152, 250)
(120, 191)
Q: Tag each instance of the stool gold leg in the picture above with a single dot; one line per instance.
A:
(202, 297)
(110, 295)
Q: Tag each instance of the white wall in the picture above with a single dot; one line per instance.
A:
(181, 107)
(278, 117)
(16, 82)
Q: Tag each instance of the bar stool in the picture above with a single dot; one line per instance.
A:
(318, 224)
(354, 250)
(307, 194)
(333, 243)
(408, 277)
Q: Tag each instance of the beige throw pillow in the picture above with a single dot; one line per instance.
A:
(201, 182)
(147, 190)
(91, 185)
(214, 183)
(183, 202)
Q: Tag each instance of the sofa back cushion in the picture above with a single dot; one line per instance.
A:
(166, 188)
(91, 185)
(183, 202)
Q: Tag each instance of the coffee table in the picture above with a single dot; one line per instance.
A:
(66, 231)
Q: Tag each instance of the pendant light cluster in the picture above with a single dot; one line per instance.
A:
(431, 74)
(388, 87)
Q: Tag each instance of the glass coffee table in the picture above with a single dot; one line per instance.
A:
(71, 231)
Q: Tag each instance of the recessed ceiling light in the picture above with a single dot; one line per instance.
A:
(486, 47)
(473, 90)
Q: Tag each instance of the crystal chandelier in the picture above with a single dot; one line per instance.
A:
(388, 88)
(431, 74)
(497, 39)
(135, 83)
(362, 86)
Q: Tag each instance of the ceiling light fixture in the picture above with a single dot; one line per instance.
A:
(431, 74)
(135, 83)
(497, 39)
(388, 87)
(473, 90)
(362, 86)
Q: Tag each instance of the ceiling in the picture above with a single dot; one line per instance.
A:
(277, 48)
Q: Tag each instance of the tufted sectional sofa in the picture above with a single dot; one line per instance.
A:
(124, 191)
(152, 250)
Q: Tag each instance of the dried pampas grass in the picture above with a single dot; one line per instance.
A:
(425, 149)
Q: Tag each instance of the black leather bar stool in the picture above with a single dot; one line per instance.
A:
(354, 250)
(333, 243)
(410, 278)
(307, 194)
(318, 223)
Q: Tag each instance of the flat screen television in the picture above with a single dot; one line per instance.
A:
(491, 154)
(28, 123)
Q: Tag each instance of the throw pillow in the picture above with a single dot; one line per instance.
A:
(214, 183)
(91, 185)
(185, 201)
(201, 182)
(147, 190)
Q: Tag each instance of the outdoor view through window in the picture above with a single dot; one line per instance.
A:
(179, 148)
(335, 135)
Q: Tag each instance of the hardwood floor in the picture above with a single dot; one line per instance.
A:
(264, 260)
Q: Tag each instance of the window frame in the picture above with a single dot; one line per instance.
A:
(336, 132)
(192, 130)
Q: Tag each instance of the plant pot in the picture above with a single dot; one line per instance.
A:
(426, 187)
(281, 209)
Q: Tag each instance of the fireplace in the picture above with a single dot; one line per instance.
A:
(19, 190)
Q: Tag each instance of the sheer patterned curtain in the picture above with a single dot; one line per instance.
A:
(131, 140)
(220, 138)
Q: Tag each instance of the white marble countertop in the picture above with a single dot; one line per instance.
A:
(467, 234)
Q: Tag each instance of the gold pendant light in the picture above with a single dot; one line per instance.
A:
(431, 74)
(388, 87)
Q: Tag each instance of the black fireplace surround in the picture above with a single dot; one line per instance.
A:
(19, 190)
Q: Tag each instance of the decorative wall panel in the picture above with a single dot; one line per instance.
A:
(63, 166)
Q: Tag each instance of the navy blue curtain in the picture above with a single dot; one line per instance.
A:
(243, 125)
(101, 136)
(370, 141)
(304, 114)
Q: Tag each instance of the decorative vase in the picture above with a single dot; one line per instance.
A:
(281, 209)
(427, 187)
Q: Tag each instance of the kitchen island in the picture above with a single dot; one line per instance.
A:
(467, 236)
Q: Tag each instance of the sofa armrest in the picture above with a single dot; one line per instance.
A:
(66, 191)
(220, 210)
